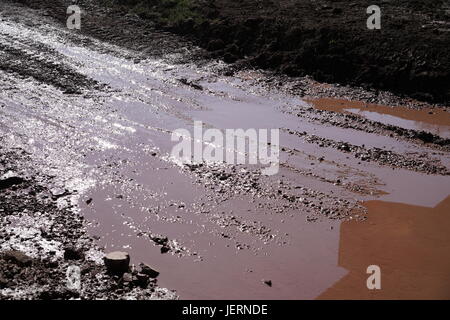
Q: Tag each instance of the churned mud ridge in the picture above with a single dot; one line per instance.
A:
(326, 39)
(354, 187)
(40, 239)
(116, 26)
(19, 57)
(420, 163)
(360, 123)
(25, 65)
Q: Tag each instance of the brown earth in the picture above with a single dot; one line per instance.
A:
(326, 39)
(97, 122)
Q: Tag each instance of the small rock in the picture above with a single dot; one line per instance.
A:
(58, 192)
(3, 283)
(117, 262)
(9, 182)
(72, 253)
(146, 269)
(268, 282)
(127, 277)
(165, 249)
(160, 240)
(142, 280)
(18, 258)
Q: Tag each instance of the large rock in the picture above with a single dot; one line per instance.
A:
(146, 269)
(117, 262)
(18, 258)
(9, 182)
(142, 280)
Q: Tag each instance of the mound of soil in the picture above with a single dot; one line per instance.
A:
(326, 39)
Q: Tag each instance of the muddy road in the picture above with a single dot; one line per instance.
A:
(96, 119)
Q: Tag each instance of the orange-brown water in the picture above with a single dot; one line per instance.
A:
(432, 116)
(411, 245)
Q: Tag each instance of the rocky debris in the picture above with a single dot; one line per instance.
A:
(251, 227)
(135, 279)
(117, 262)
(240, 180)
(162, 241)
(166, 244)
(18, 258)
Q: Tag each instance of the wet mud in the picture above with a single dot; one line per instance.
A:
(96, 132)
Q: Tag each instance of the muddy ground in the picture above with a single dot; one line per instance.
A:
(86, 120)
(41, 237)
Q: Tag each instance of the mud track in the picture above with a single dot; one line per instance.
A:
(86, 120)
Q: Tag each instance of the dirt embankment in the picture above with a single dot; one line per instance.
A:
(326, 39)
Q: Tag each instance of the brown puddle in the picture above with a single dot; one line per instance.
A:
(431, 116)
(411, 245)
